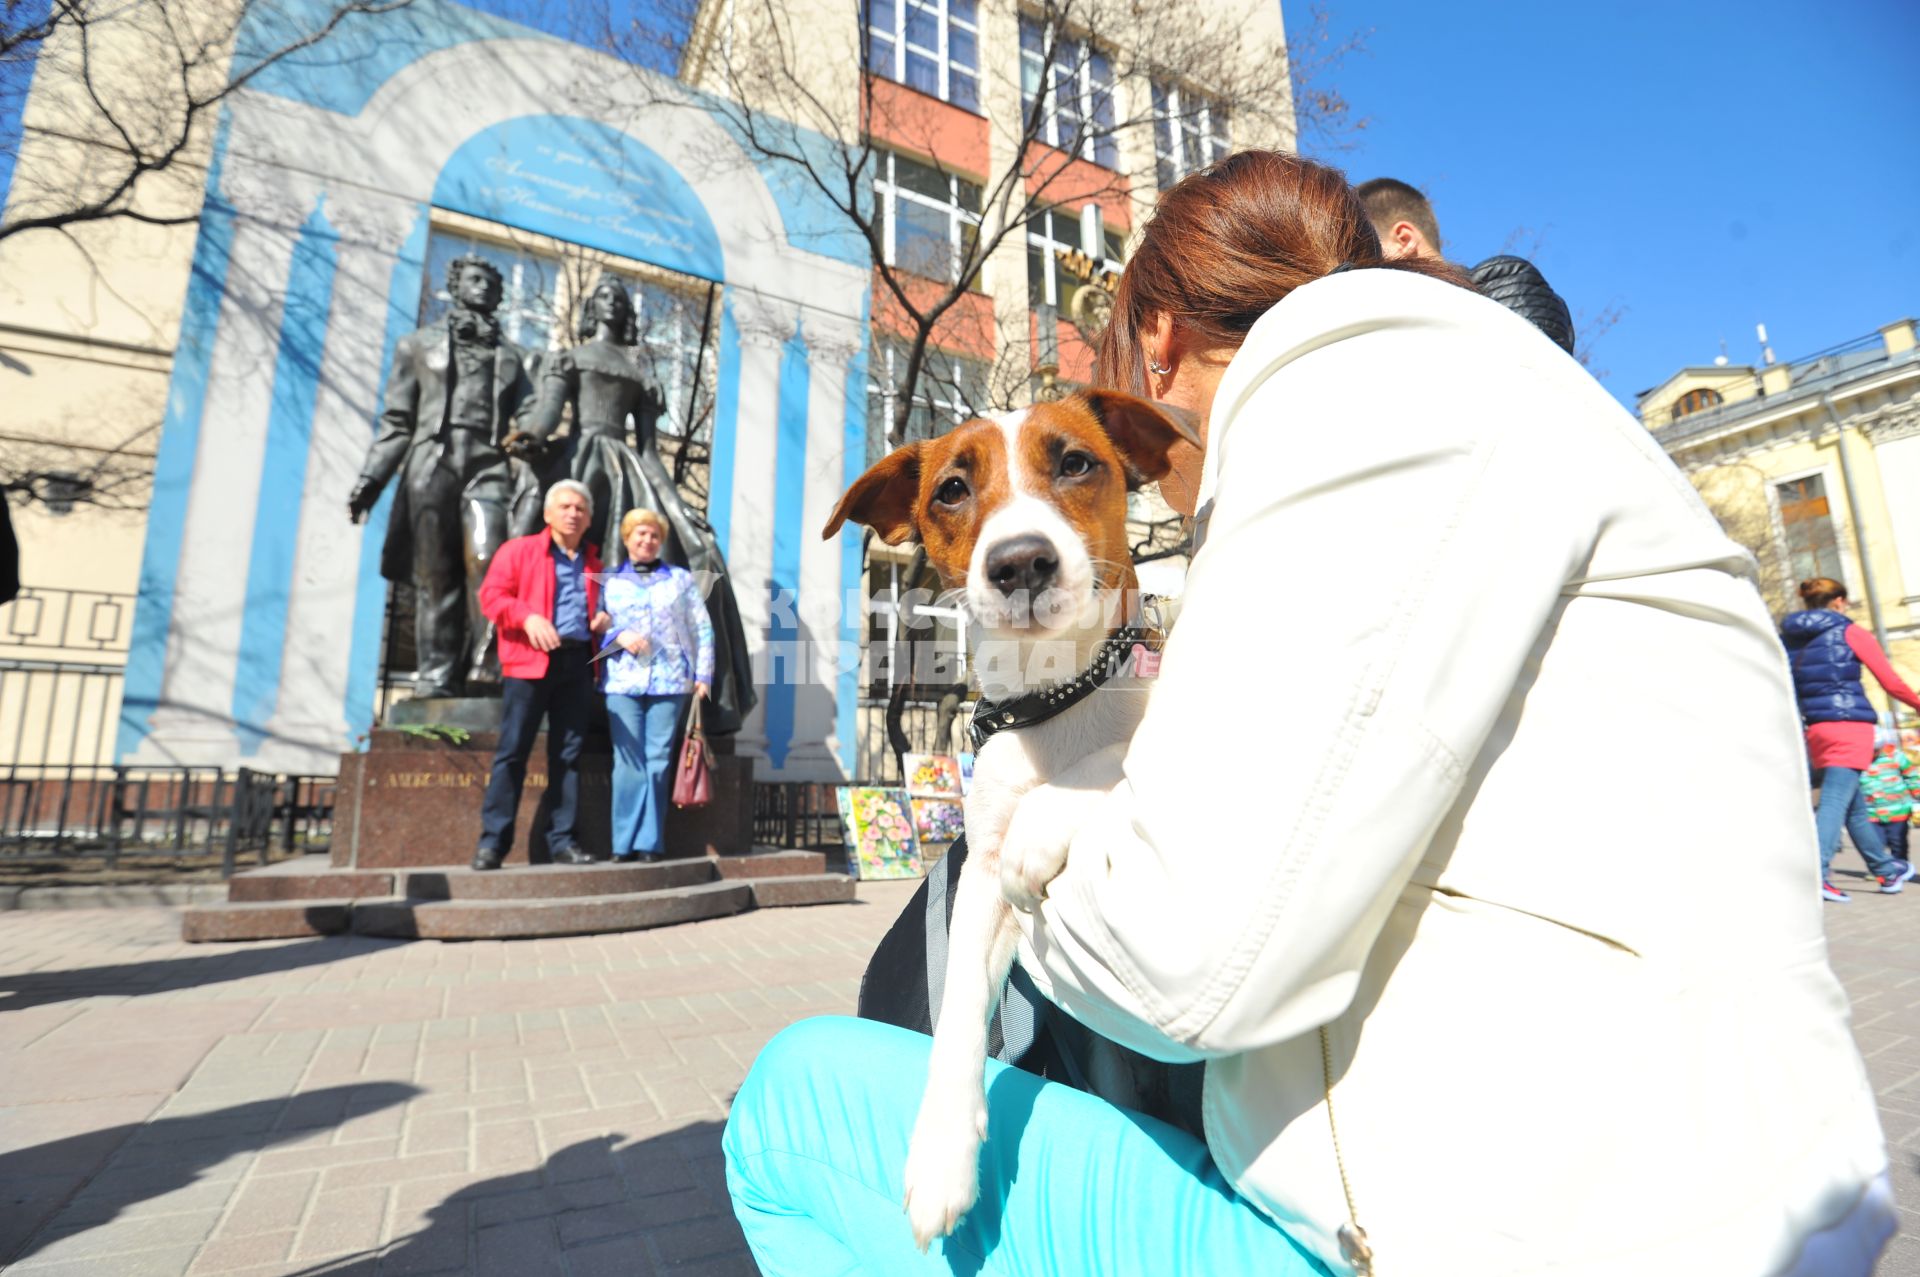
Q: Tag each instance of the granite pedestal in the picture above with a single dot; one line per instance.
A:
(414, 800)
(406, 819)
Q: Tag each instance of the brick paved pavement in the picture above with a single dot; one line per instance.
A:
(350, 1105)
(357, 1106)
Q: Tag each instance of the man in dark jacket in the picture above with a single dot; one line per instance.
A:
(1403, 219)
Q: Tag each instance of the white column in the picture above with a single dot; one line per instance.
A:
(831, 343)
(309, 729)
(1896, 447)
(766, 324)
(194, 721)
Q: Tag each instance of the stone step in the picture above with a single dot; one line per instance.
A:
(550, 882)
(279, 882)
(265, 920)
(771, 862)
(467, 919)
(801, 889)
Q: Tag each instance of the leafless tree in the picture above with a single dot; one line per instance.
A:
(765, 75)
(127, 93)
(1736, 493)
(117, 102)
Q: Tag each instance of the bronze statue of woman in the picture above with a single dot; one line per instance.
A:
(607, 389)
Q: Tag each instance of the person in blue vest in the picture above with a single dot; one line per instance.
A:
(1825, 650)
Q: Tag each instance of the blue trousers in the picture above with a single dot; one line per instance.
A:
(1070, 1186)
(643, 728)
(1841, 803)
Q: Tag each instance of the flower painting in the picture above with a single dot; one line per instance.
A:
(878, 827)
(933, 775)
(938, 820)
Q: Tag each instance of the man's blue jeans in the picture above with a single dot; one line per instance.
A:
(643, 729)
(1841, 804)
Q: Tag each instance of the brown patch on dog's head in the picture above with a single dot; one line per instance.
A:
(938, 491)
(1081, 455)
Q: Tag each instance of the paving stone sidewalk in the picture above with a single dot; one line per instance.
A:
(357, 1106)
(365, 1107)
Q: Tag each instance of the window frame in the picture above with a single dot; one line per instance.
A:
(1052, 293)
(889, 191)
(1178, 112)
(1777, 498)
(1699, 399)
(941, 397)
(1099, 144)
(886, 24)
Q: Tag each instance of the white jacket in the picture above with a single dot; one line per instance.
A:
(1474, 744)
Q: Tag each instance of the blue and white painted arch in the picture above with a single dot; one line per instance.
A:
(257, 631)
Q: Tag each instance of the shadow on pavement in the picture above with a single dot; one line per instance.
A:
(25, 989)
(597, 1205)
(90, 1180)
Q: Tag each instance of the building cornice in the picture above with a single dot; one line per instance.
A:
(1785, 408)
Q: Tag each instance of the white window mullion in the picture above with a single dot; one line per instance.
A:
(946, 85)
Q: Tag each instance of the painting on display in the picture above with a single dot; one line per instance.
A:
(935, 783)
(938, 820)
(933, 775)
(877, 825)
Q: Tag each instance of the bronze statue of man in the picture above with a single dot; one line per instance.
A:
(452, 398)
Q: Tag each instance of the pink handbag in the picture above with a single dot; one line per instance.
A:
(693, 781)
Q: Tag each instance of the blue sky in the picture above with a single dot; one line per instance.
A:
(1701, 166)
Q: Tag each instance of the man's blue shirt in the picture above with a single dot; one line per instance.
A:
(569, 592)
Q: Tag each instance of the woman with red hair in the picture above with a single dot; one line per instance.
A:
(1434, 1041)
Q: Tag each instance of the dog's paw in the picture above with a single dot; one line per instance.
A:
(1034, 850)
(943, 1165)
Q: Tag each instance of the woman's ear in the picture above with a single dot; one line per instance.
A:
(883, 498)
(1144, 432)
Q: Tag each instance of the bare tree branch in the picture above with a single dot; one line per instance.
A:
(132, 128)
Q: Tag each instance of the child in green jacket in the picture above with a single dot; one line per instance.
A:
(1891, 787)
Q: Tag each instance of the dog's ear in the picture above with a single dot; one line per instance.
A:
(883, 497)
(1145, 432)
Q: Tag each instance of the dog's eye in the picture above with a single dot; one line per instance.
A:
(1075, 464)
(952, 492)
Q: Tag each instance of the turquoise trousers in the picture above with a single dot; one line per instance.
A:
(1070, 1186)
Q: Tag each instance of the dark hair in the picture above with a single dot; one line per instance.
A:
(1389, 200)
(1227, 243)
(466, 260)
(1819, 591)
(626, 332)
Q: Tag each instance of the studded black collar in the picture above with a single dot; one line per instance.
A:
(992, 717)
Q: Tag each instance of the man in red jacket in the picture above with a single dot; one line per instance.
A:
(542, 592)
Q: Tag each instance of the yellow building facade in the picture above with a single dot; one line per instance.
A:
(1813, 465)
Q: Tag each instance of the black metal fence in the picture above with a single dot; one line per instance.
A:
(108, 812)
(796, 814)
(62, 658)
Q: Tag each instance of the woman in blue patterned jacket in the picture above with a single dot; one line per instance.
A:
(666, 642)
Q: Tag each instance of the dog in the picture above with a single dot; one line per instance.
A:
(1023, 516)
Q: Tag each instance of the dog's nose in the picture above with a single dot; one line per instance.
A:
(1022, 563)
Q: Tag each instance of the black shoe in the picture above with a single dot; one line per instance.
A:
(652, 857)
(572, 856)
(486, 858)
(629, 859)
